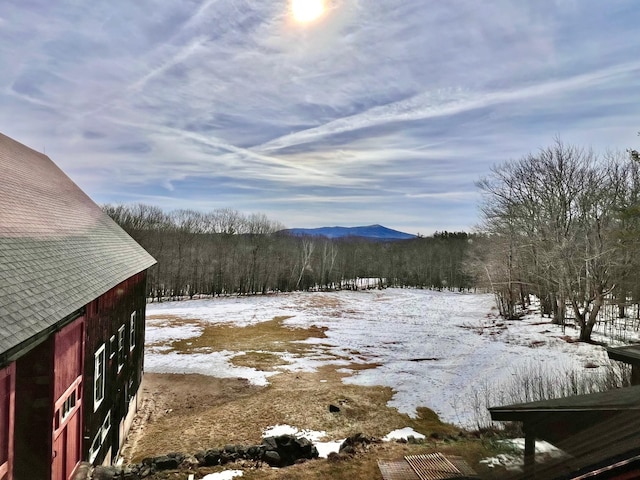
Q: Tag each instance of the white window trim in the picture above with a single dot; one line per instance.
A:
(98, 440)
(106, 425)
(95, 447)
(120, 347)
(100, 352)
(112, 344)
(132, 332)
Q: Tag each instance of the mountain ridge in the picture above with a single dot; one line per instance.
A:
(374, 232)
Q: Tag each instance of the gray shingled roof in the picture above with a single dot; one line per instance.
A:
(58, 250)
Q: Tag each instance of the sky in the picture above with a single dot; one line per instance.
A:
(377, 112)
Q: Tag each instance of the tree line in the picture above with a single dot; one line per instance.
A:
(562, 225)
(224, 252)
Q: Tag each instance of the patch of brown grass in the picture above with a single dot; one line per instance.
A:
(194, 412)
(264, 361)
(271, 335)
(189, 413)
(363, 465)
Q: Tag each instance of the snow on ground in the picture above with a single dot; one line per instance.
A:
(277, 430)
(403, 434)
(436, 349)
(224, 475)
(515, 462)
(324, 448)
(212, 363)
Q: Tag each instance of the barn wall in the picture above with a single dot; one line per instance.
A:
(68, 356)
(33, 413)
(7, 406)
(67, 388)
(105, 318)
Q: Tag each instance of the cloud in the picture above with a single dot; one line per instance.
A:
(384, 111)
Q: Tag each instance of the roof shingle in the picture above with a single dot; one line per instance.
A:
(58, 250)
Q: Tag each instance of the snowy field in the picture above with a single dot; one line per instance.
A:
(435, 349)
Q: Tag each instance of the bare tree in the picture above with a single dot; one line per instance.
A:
(557, 212)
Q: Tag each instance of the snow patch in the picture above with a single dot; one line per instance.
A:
(515, 463)
(277, 430)
(324, 448)
(434, 348)
(403, 434)
(225, 475)
(214, 363)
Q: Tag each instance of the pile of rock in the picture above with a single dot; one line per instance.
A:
(279, 451)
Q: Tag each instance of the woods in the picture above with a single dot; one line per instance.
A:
(227, 252)
(561, 224)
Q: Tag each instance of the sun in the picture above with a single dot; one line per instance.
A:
(306, 10)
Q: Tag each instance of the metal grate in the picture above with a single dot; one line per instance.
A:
(433, 466)
(397, 470)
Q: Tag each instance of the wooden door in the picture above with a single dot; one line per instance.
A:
(67, 433)
(67, 418)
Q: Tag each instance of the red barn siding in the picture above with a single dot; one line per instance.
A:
(7, 405)
(68, 356)
(33, 413)
(68, 385)
(122, 373)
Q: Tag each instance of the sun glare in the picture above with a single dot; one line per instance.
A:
(307, 10)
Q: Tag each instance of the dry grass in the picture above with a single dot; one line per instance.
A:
(271, 335)
(189, 413)
(264, 361)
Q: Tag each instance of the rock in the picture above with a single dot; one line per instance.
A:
(177, 455)
(334, 409)
(353, 441)
(347, 450)
(226, 457)
(166, 463)
(211, 457)
(255, 452)
(270, 443)
(272, 458)
(145, 471)
(190, 461)
(128, 474)
(200, 456)
(105, 473)
(290, 448)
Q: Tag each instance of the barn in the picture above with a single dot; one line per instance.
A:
(72, 309)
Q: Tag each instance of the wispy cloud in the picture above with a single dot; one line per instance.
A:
(381, 112)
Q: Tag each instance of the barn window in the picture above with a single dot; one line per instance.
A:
(132, 331)
(68, 405)
(95, 446)
(98, 378)
(106, 425)
(120, 347)
(112, 347)
(98, 440)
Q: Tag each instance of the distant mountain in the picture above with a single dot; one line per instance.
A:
(374, 232)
